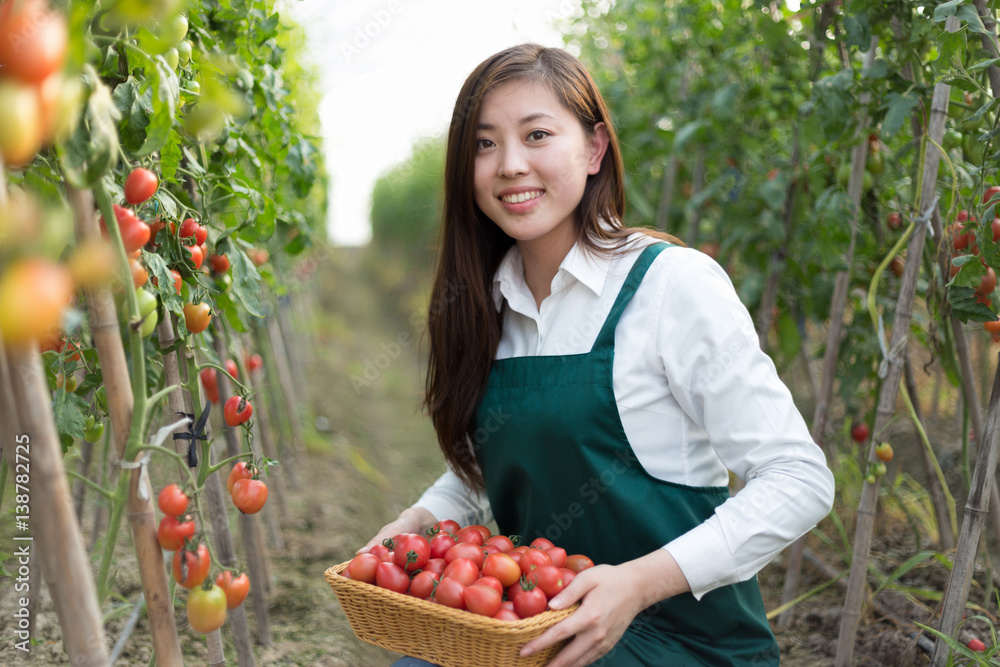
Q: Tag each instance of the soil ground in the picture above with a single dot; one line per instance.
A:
(370, 453)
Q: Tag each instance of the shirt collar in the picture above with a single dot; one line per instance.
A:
(579, 264)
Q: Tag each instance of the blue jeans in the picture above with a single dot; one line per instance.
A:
(411, 662)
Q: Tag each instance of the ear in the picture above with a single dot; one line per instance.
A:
(598, 146)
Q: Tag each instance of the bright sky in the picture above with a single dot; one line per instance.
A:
(391, 72)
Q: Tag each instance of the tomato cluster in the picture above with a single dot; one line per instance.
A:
(964, 242)
(248, 491)
(207, 602)
(469, 568)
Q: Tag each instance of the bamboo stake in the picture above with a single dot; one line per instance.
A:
(282, 424)
(32, 445)
(288, 392)
(141, 511)
(973, 524)
(275, 482)
(82, 466)
(890, 386)
(256, 567)
(294, 345)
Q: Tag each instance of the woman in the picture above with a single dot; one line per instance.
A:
(593, 384)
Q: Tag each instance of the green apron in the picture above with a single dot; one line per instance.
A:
(557, 464)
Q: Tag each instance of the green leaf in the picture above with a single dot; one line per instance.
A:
(965, 307)
(268, 28)
(898, 110)
(69, 411)
(92, 150)
(946, 10)
(170, 157)
(246, 282)
(970, 16)
(910, 563)
(165, 92)
(685, 133)
(955, 646)
(858, 29)
(165, 282)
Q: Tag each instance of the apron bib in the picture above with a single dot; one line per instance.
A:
(557, 464)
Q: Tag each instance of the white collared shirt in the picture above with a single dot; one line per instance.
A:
(695, 394)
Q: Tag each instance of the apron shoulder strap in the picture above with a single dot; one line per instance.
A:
(606, 338)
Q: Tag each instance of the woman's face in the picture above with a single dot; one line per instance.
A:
(532, 161)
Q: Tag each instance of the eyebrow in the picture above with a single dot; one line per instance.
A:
(530, 118)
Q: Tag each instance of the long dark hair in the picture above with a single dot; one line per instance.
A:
(464, 324)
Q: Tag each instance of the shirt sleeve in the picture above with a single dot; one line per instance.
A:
(710, 353)
(449, 498)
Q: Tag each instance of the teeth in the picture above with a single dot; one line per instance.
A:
(523, 196)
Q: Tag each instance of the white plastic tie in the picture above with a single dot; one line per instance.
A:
(926, 216)
(145, 487)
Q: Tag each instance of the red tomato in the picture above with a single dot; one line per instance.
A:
(532, 558)
(541, 543)
(990, 192)
(173, 532)
(238, 472)
(436, 565)
(411, 552)
(558, 556)
(548, 578)
(491, 549)
(236, 588)
(140, 185)
(502, 542)
(362, 567)
(422, 586)
(448, 525)
(197, 316)
(140, 276)
(249, 495)
(379, 550)
(440, 544)
(483, 530)
(172, 501)
(451, 593)
(191, 229)
(210, 382)
(988, 283)
(529, 600)
(492, 582)
(392, 577)
(568, 575)
(218, 263)
(959, 238)
(503, 567)
(504, 614)
(237, 410)
(197, 255)
(206, 609)
(190, 568)
(232, 369)
(32, 40)
(466, 550)
(481, 600)
(462, 569)
(470, 534)
(255, 362)
(977, 645)
(578, 563)
(859, 432)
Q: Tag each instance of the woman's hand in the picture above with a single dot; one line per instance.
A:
(410, 520)
(613, 595)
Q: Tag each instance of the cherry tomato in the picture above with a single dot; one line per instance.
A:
(483, 530)
(481, 600)
(504, 614)
(362, 568)
(447, 526)
(568, 575)
(94, 432)
(992, 327)
(392, 577)
(190, 227)
(174, 531)
(541, 543)
(532, 558)
(990, 192)
(423, 584)
(134, 232)
(237, 410)
(451, 593)
(140, 276)
(218, 263)
(502, 542)
(236, 588)
(21, 130)
(172, 501)
(468, 550)
(884, 452)
(33, 295)
(190, 568)
(529, 600)
(548, 578)
(249, 495)
(238, 472)
(197, 255)
(988, 283)
(255, 362)
(558, 556)
(379, 550)
(210, 382)
(462, 569)
(411, 552)
(471, 535)
(197, 316)
(232, 369)
(435, 565)
(32, 40)
(578, 563)
(140, 185)
(503, 567)
(206, 608)
(859, 432)
(492, 582)
(178, 280)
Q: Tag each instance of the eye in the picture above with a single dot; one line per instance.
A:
(482, 144)
(537, 135)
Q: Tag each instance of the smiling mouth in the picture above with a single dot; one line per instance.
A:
(521, 197)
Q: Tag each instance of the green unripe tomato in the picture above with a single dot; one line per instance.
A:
(171, 56)
(184, 52)
(94, 432)
(174, 30)
(147, 302)
(149, 324)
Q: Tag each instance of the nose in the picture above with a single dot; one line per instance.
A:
(513, 161)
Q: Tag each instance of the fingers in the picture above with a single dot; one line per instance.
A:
(582, 584)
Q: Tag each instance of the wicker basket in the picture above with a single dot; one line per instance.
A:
(436, 633)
